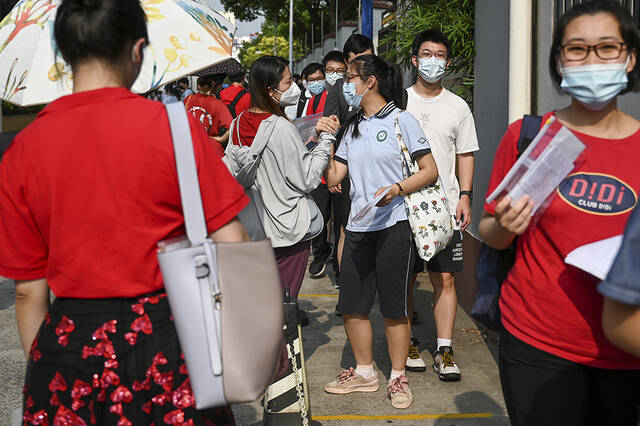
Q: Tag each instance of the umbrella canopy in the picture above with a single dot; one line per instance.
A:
(185, 36)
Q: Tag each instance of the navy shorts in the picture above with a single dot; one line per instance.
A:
(377, 262)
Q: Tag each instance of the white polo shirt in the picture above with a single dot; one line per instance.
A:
(375, 161)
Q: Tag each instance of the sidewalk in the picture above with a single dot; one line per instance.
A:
(475, 400)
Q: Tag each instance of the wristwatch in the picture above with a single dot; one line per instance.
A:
(469, 193)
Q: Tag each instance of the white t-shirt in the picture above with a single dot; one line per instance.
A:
(447, 122)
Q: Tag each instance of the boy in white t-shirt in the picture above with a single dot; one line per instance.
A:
(448, 125)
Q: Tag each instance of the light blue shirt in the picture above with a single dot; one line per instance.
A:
(375, 161)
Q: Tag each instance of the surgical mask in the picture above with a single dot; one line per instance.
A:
(305, 84)
(432, 69)
(290, 96)
(350, 95)
(594, 85)
(332, 77)
(317, 87)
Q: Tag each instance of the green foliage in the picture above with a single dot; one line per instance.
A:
(455, 19)
(11, 109)
(263, 45)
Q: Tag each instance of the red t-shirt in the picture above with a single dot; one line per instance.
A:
(229, 94)
(211, 112)
(249, 123)
(321, 99)
(545, 302)
(90, 187)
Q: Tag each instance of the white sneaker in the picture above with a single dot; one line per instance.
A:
(414, 360)
(444, 365)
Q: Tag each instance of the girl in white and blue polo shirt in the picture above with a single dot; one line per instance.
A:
(379, 250)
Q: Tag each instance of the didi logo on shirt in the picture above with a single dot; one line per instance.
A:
(597, 193)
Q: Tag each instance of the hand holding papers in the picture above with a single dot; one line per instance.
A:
(307, 128)
(370, 205)
(546, 162)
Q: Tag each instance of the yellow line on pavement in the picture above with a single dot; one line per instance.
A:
(335, 296)
(406, 416)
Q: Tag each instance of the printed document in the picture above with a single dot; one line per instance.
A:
(596, 258)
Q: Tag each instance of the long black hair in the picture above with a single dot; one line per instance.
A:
(266, 73)
(389, 78)
(101, 29)
(628, 31)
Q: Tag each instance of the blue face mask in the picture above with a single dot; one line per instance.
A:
(317, 87)
(594, 86)
(432, 69)
(350, 95)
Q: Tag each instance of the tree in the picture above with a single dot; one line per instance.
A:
(455, 19)
(263, 45)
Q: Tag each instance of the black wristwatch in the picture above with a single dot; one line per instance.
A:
(469, 193)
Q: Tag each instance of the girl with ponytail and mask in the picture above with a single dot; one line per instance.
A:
(379, 250)
(287, 173)
(105, 351)
(556, 365)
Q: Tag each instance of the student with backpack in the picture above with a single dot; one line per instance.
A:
(556, 365)
(379, 250)
(236, 97)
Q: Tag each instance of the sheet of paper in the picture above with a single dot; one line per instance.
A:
(307, 127)
(541, 168)
(370, 206)
(596, 258)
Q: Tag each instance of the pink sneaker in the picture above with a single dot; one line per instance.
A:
(350, 381)
(399, 392)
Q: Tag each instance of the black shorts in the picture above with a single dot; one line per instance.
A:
(379, 261)
(450, 259)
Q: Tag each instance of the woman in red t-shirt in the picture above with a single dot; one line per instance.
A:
(86, 192)
(556, 366)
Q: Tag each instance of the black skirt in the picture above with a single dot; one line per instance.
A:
(111, 362)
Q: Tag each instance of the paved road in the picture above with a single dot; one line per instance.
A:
(476, 400)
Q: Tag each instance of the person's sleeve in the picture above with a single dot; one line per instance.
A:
(466, 139)
(224, 117)
(342, 154)
(413, 136)
(622, 283)
(302, 168)
(23, 251)
(505, 157)
(222, 196)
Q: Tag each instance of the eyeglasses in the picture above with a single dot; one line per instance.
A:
(330, 70)
(607, 50)
(426, 53)
(352, 76)
(311, 79)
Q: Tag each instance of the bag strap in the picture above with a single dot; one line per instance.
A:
(528, 131)
(239, 96)
(194, 220)
(407, 162)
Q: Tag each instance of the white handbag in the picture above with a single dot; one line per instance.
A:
(228, 316)
(427, 208)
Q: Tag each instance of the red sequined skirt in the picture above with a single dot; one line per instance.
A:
(111, 362)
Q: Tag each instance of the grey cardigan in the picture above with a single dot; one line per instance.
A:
(287, 174)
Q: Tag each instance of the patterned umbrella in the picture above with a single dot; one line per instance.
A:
(185, 36)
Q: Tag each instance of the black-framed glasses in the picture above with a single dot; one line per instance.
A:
(426, 53)
(607, 50)
(330, 70)
(352, 76)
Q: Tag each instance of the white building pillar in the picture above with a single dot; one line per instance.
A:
(520, 58)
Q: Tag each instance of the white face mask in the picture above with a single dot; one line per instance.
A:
(332, 77)
(290, 96)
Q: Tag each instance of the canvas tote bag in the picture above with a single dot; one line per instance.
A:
(228, 316)
(427, 209)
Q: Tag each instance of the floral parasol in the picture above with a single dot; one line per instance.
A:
(185, 36)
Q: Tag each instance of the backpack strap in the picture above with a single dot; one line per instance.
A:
(528, 131)
(239, 96)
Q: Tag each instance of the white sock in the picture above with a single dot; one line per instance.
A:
(365, 370)
(396, 373)
(444, 342)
